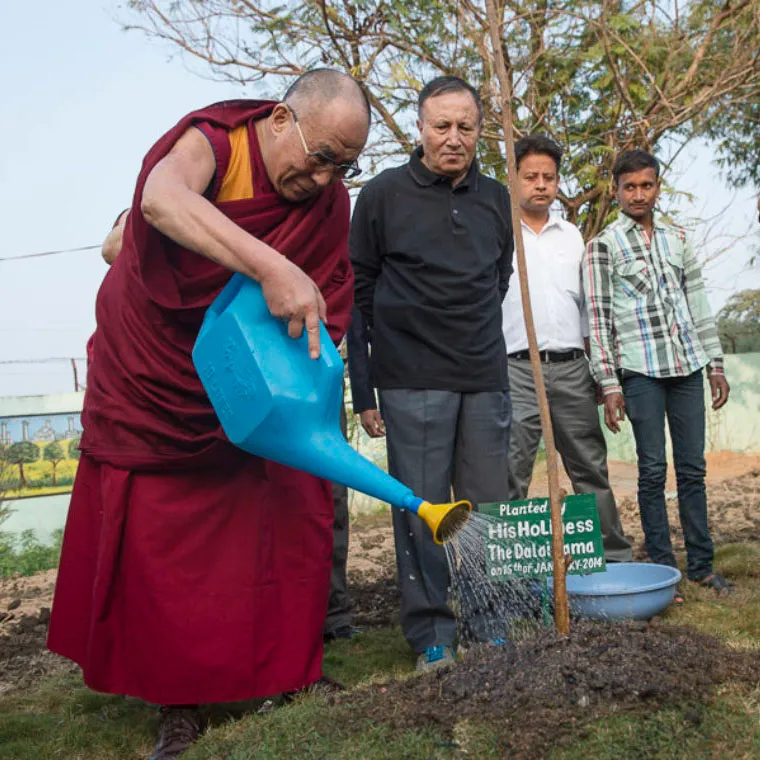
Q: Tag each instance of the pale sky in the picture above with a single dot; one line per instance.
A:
(83, 102)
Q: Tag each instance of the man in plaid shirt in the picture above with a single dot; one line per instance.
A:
(652, 333)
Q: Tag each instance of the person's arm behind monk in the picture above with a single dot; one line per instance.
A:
(173, 203)
(112, 243)
(362, 391)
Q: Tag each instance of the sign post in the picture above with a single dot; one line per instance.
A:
(519, 543)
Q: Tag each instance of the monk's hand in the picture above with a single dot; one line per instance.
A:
(614, 411)
(292, 296)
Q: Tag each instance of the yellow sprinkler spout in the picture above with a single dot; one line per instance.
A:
(445, 520)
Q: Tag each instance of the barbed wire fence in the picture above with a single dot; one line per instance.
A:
(72, 361)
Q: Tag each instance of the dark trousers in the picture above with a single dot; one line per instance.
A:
(339, 604)
(648, 402)
(438, 441)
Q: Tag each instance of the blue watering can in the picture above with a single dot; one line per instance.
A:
(276, 402)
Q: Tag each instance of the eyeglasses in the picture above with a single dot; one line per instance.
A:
(319, 160)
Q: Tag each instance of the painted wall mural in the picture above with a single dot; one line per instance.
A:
(38, 454)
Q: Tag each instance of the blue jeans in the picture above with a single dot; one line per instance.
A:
(648, 401)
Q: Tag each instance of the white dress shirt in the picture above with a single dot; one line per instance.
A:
(554, 276)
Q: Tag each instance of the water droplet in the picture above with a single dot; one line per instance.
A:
(411, 578)
(406, 551)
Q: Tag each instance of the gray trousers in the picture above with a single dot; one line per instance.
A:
(578, 436)
(339, 604)
(438, 441)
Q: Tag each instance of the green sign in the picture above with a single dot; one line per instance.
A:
(519, 541)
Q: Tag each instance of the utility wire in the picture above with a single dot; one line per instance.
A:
(49, 253)
(44, 361)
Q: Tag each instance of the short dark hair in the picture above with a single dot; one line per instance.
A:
(634, 161)
(441, 85)
(537, 145)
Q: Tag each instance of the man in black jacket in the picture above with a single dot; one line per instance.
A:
(431, 244)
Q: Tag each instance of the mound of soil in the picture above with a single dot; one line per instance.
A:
(537, 692)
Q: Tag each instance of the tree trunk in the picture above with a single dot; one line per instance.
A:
(22, 479)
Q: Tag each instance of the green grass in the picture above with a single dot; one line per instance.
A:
(735, 619)
(60, 719)
(382, 651)
(728, 728)
(63, 719)
(317, 731)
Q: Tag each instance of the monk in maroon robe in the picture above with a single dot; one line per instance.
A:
(193, 572)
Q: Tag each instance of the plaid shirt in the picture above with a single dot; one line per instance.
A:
(647, 307)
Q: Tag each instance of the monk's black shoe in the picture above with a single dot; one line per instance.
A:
(179, 729)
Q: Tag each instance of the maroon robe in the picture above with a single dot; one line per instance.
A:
(192, 572)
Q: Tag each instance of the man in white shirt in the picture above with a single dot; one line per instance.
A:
(553, 250)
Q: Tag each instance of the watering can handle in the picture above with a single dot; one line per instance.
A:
(225, 298)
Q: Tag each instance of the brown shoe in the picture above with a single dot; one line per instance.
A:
(179, 728)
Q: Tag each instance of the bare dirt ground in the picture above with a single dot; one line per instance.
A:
(734, 505)
(24, 615)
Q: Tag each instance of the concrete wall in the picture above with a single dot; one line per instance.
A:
(736, 427)
(55, 403)
(42, 514)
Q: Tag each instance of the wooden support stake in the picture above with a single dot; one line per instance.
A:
(561, 610)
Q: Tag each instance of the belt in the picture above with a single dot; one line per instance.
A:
(549, 357)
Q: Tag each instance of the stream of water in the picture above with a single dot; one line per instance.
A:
(489, 608)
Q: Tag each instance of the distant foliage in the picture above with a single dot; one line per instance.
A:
(739, 323)
(600, 76)
(26, 554)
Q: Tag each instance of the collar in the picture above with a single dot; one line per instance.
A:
(426, 178)
(628, 223)
(554, 221)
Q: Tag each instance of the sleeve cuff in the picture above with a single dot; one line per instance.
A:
(715, 367)
(610, 385)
